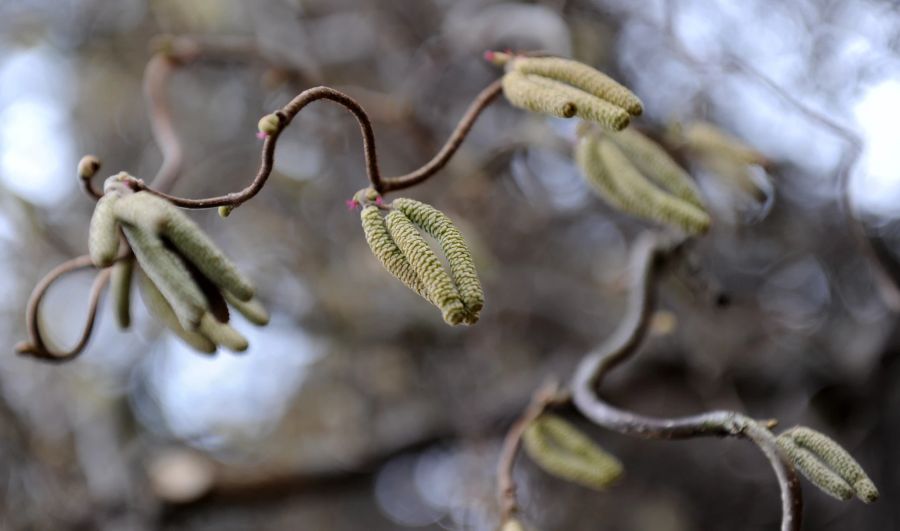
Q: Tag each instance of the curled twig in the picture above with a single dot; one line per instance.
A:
(381, 184)
(36, 346)
(546, 396)
(648, 253)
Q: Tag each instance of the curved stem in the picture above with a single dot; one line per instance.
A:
(646, 256)
(380, 184)
(36, 346)
(546, 396)
(156, 79)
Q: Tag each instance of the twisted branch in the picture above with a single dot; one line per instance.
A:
(381, 184)
(36, 346)
(547, 396)
(649, 252)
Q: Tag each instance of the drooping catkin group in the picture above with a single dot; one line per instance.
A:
(400, 246)
(725, 157)
(566, 88)
(620, 168)
(562, 450)
(185, 279)
(826, 464)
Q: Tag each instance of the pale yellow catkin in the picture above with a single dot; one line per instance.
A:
(705, 138)
(120, 291)
(158, 305)
(155, 214)
(814, 451)
(581, 76)
(169, 274)
(646, 200)
(654, 162)
(462, 266)
(103, 234)
(523, 92)
(252, 310)
(587, 157)
(222, 333)
(587, 106)
(385, 249)
(440, 288)
(562, 450)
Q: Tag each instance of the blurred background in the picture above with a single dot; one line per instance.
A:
(357, 408)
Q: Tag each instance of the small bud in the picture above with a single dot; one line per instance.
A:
(88, 166)
(497, 58)
(225, 210)
(352, 204)
(269, 124)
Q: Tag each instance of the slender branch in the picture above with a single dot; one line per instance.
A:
(546, 396)
(37, 346)
(381, 184)
(156, 80)
(647, 255)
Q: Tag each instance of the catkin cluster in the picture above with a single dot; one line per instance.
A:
(724, 156)
(398, 243)
(185, 280)
(566, 88)
(826, 464)
(635, 175)
(560, 449)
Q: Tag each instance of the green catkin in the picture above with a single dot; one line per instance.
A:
(158, 305)
(707, 139)
(581, 76)
(190, 240)
(653, 161)
(562, 450)
(453, 245)
(813, 469)
(521, 91)
(587, 106)
(387, 252)
(823, 449)
(253, 310)
(513, 524)
(169, 274)
(587, 157)
(438, 284)
(222, 333)
(103, 235)
(120, 291)
(645, 200)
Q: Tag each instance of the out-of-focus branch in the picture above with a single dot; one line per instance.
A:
(649, 252)
(36, 346)
(546, 396)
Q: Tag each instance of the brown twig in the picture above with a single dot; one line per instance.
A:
(36, 346)
(381, 184)
(545, 397)
(647, 255)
